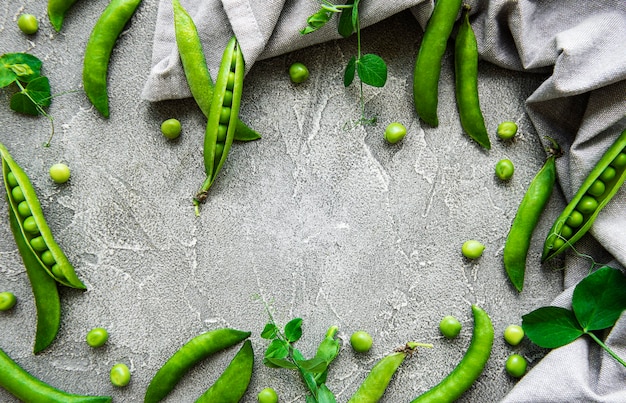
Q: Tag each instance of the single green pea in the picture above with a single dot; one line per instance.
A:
(171, 128)
(558, 243)
(230, 83)
(11, 180)
(608, 174)
(47, 258)
(222, 132)
(24, 209)
(30, 225)
(18, 194)
(472, 249)
(298, 73)
(57, 272)
(587, 205)
(597, 188)
(228, 98)
(219, 150)
(120, 375)
(7, 300)
(505, 169)
(575, 219)
(225, 115)
(395, 132)
(38, 244)
(28, 24)
(450, 326)
(507, 130)
(97, 337)
(513, 334)
(619, 162)
(516, 365)
(267, 395)
(361, 341)
(566, 231)
(60, 173)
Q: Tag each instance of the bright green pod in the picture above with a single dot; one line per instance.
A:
(57, 10)
(612, 172)
(70, 278)
(375, 384)
(233, 383)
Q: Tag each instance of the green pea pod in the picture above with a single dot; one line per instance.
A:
(196, 70)
(428, 62)
(602, 183)
(233, 383)
(528, 213)
(98, 51)
(469, 368)
(25, 205)
(27, 388)
(466, 80)
(376, 382)
(57, 10)
(194, 351)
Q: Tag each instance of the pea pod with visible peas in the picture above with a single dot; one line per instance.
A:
(428, 63)
(196, 70)
(222, 118)
(98, 50)
(192, 352)
(27, 388)
(233, 383)
(528, 213)
(466, 80)
(471, 365)
(596, 191)
(57, 10)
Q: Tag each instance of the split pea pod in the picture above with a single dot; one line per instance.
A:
(466, 82)
(57, 10)
(28, 388)
(528, 213)
(469, 368)
(596, 191)
(192, 352)
(428, 62)
(32, 227)
(233, 383)
(223, 115)
(196, 70)
(98, 51)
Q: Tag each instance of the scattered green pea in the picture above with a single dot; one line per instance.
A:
(267, 395)
(361, 341)
(60, 173)
(507, 130)
(513, 334)
(472, 249)
(28, 24)
(608, 174)
(587, 205)
(450, 327)
(575, 219)
(97, 337)
(7, 300)
(30, 225)
(120, 375)
(171, 128)
(597, 188)
(395, 132)
(24, 209)
(298, 72)
(516, 365)
(505, 169)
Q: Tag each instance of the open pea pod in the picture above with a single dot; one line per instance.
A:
(596, 191)
(32, 227)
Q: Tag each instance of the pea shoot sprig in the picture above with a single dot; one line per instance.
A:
(370, 68)
(33, 89)
(597, 303)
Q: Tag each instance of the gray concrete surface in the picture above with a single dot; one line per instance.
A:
(331, 225)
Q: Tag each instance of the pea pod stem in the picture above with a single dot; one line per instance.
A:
(27, 388)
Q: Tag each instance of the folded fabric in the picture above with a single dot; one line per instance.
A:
(577, 45)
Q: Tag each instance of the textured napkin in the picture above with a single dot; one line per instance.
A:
(578, 45)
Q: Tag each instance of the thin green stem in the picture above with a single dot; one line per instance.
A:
(40, 110)
(605, 347)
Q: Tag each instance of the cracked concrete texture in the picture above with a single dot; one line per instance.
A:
(323, 221)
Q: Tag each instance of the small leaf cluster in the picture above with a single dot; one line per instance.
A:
(33, 89)
(597, 303)
(281, 353)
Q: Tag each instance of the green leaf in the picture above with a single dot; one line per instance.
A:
(21, 103)
(355, 14)
(278, 363)
(36, 95)
(324, 395)
(551, 326)
(293, 330)
(315, 365)
(345, 27)
(316, 21)
(20, 66)
(328, 349)
(277, 349)
(599, 299)
(372, 70)
(270, 331)
(348, 75)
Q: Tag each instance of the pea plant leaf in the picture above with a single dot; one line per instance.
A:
(316, 21)
(599, 299)
(269, 331)
(348, 75)
(293, 330)
(33, 98)
(279, 363)
(372, 70)
(551, 326)
(345, 26)
(324, 395)
(277, 349)
(18, 66)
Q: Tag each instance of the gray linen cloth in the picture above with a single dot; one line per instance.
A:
(581, 48)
